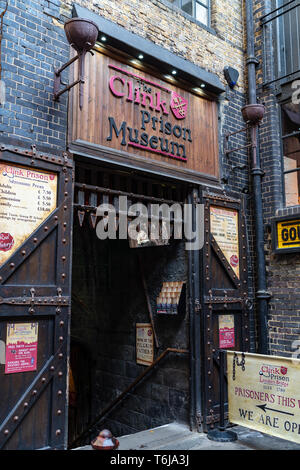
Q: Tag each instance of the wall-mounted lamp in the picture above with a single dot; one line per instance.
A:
(81, 35)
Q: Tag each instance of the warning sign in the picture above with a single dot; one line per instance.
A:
(264, 393)
(21, 347)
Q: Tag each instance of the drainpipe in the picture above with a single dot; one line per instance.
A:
(262, 295)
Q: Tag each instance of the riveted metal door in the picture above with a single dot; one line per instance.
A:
(226, 304)
(34, 291)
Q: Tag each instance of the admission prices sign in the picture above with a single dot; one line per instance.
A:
(264, 393)
(27, 198)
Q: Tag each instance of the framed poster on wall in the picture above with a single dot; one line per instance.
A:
(144, 344)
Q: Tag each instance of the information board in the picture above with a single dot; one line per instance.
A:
(144, 344)
(21, 347)
(27, 198)
(224, 228)
(264, 393)
(226, 331)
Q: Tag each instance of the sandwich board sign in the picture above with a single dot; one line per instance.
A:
(264, 393)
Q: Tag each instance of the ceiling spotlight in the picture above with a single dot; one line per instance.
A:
(103, 38)
(202, 85)
(140, 56)
(174, 72)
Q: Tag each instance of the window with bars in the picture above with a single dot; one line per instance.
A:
(198, 9)
(290, 123)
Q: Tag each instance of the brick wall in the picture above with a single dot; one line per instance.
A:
(282, 270)
(33, 43)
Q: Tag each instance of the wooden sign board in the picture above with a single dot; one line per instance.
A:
(286, 235)
(264, 394)
(144, 344)
(140, 117)
(27, 198)
(224, 227)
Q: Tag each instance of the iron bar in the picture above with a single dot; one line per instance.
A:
(276, 9)
(63, 67)
(57, 95)
(282, 36)
(124, 193)
(152, 217)
(237, 148)
(292, 134)
(291, 171)
(282, 77)
(280, 14)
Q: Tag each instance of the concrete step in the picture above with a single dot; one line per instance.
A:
(171, 436)
(178, 437)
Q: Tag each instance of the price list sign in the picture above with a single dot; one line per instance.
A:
(27, 197)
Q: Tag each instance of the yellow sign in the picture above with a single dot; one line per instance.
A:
(264, 393)
(288, 234)
(224, 228)
(27, 198)
(144, 344)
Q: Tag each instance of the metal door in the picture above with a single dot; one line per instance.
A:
(225, 300)
(35, 284)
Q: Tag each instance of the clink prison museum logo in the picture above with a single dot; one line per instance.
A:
(274, 375)
(154, 110)
(154, 104)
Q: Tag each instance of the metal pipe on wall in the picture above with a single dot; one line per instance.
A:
(257, 173)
